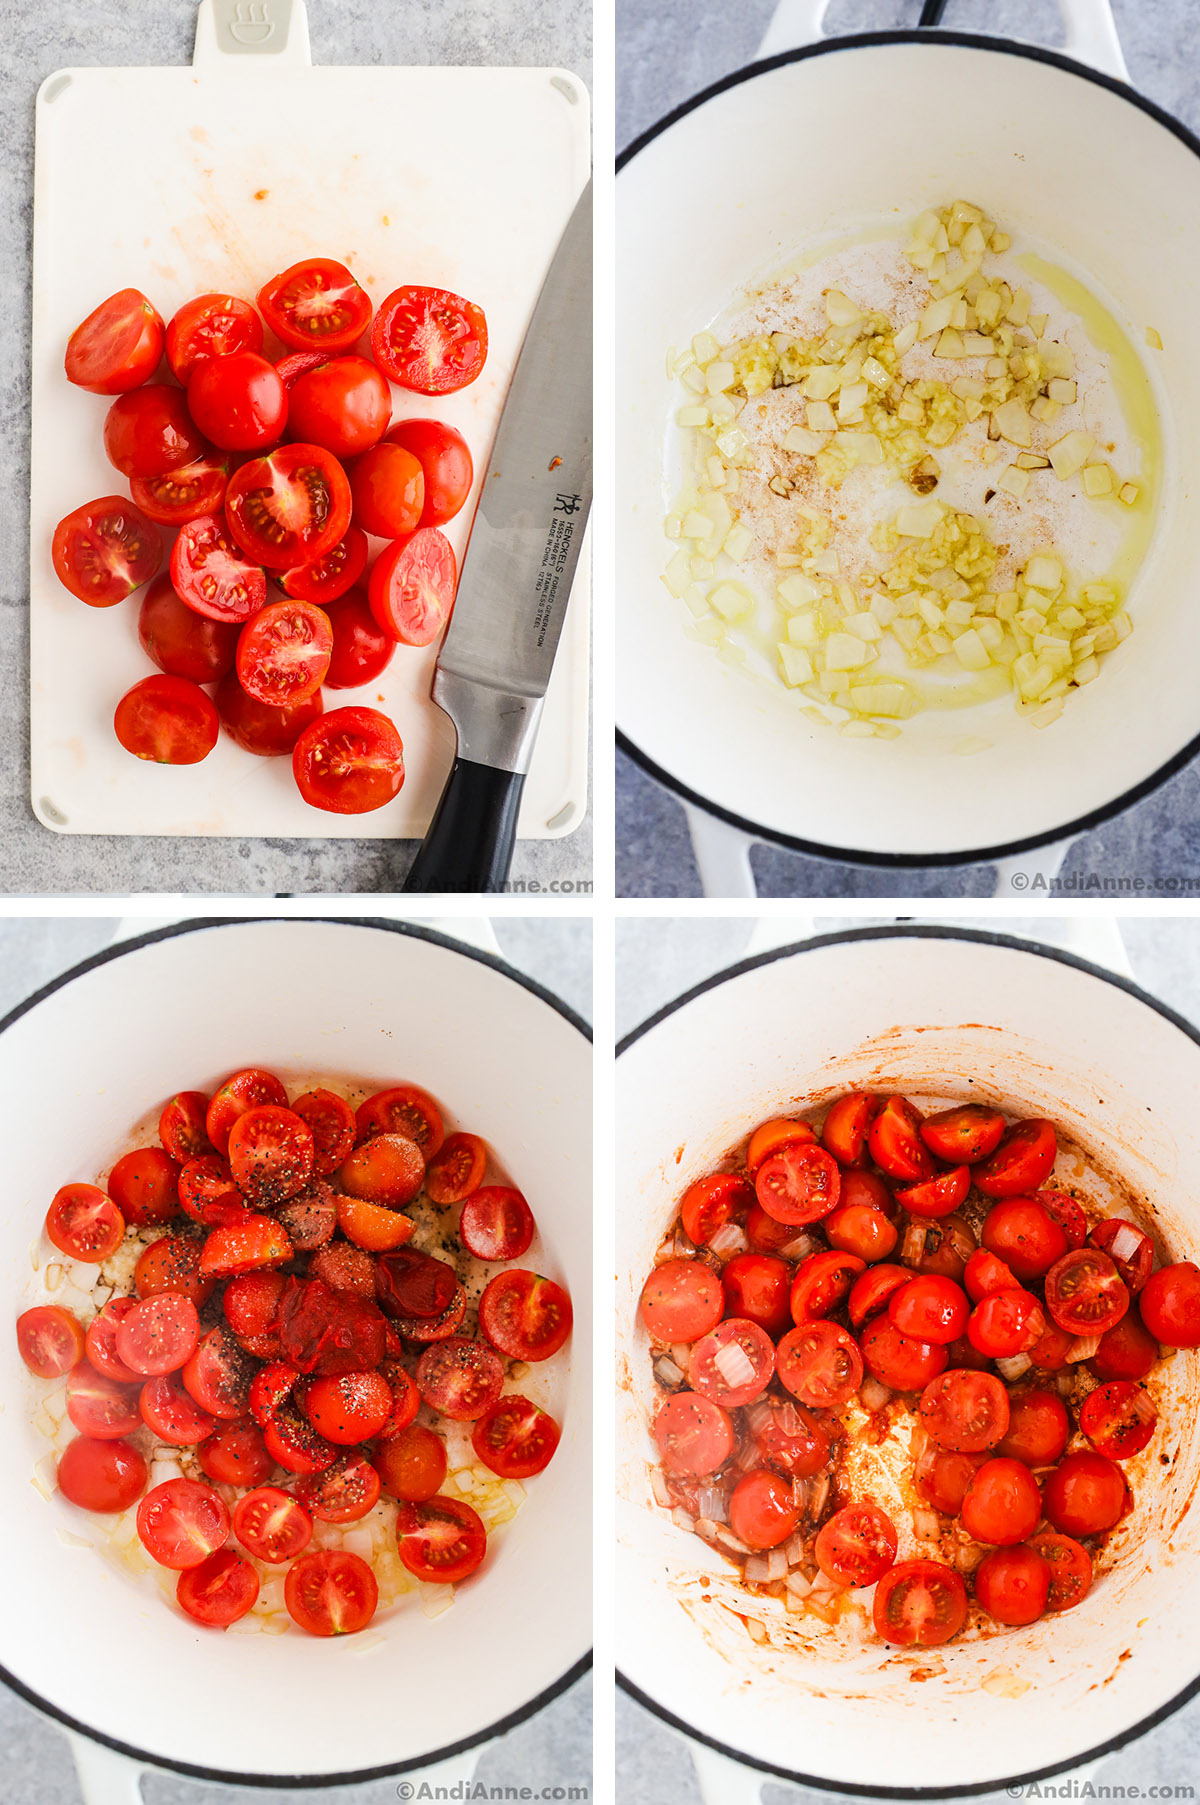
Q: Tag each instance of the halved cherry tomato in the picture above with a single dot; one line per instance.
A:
(181, 1126)
(873, 1289)
(349, 762)
(694, 1435)
(387, 1169)
(496, 1223)
(239, 401)
(936, 1197)
(349, 1268)
(1002, 1504)
(820, 1364)
(441, 1540)
(1119, 1419)
(1023, 1160)
(403, 1109)
(1005, 1323)
(1038, 1428)
(894, 1139)
(105, 550)
(348, 1407)
(183, 494)
(271, 1525)
(1170, 1304)
(207, 1192)
(459, 1378)
(84, 1223)
(316, 304)
(235, 1454)
(429, 340)
(362, 651)
(406, 1400)
(412, 1464)
(326, 579)
(929, 1309)
(99, 1406)
(757, 1287)
(965, 1411)
(1085, 1293)
(822, 1283)
(294, 1444)
(331, 1592)
(681, 1301)
(159, 1335)
(963, 1135)
(949, 1244)
(219, 1591)
(1023, 1233)
(1086, 1495)
(252, 1302)
(150, 431)
(1135, 1259)
(144, 1185)
(50, 1340)
(798, 1184)
(844, 1133)
(1070, 1567)
(712, 1202)
(985, 1272)
(330, 1121)
(210, 574)
(283, 653)
(446, 461)
(256, 727)
(180, 641)
(789, 1437)
(412, 585)
(387, 484)
(172, 1413)
(117, 347)
(919, 1604)
(857, 1545)
(101, 1476)
(343, 1493)
(270, 1155)
(101, 1340)
(763, 1511)
(943, 1477)
(244, 1246)
(1067, 1213)
(167, 721)
(182, 1522)
(435, 1328)
(218, 1375)
(210, 326)
(771, 1136)
(456, 1170)
(858, 1228)
(1126, 1352)
(1050, 1353)
(516, 1439)
(524, 1315)
(900, 1361)
(172, 1263)
(247, 1089)
(764, 1234)
(732, 1365)
(371, 1226)
(289, 507)
(271, 1386)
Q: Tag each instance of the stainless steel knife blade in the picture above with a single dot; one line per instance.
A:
(499, 648)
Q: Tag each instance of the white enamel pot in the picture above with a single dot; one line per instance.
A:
(79, 1064)
(937, 1012)
(808, 146)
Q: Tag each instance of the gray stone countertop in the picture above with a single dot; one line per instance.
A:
(668, 50)
(37, 40)
(659, 959)
(554, 1748)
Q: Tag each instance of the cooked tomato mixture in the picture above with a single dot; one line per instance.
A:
(880, 1280)
(253, 464)
(308, 1315)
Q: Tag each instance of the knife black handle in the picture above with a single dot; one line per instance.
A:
(469, 845)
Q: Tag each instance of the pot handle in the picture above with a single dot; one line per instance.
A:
(722, 854)
(1091, 36)
(1030, 874)
(277, 29)
(794, 24)
(722, 1781)
(105, 1777)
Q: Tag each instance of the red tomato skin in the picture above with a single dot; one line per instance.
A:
(236, 1454)
(1086, 1495)
(1002, 1505)
(316, 305)
(183, 494)
(1022, 1233)
(283, 653)
(256, 727)
(50, 1339)
(1012, 1584)
(1006, 1323)
(985, 1272)
(936, 1197)
(1170, 1304)
(388, 486)
(1126, 1351)
(349, 1407)
(292, 505)
(872, 1291)
(963, 1135)
(756, 1287)
(144, 1185)
(1021, 1163)
(150, 431)
(762, 1510)
(117, 347)
(1070, 1567)
(445, 459)
(349, 761)
(694, 1436)
(894, 1139)
(105, 550)
(412, 585)
(929, 1309)
(344, 405)
(101, 1476)
(181, 642)
(361, 650)
(239, 402)
(822, 1282)
(928, 1578)
(844, 1133)
(210, 326)
(429, 340)
(681, 1301)
(1038, 1428)
(943, 1477)
(859, 1229)
(897, 1360)
(167, 721)
(99, 1406)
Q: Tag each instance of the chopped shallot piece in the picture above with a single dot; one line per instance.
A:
(1013, 1365)
(1082, 1348)
(794, 1549)
(919, 1440)
(1125, 1243)
(874, 1395)
(1142, 1406)
(711, 1503)
(755, 1571)
(817, 1495)
(681, 1354)
(797, 1584)
(925, 1524)
(681, 1519)
(734, 1365)
(757, 1631)
(759, 1415)
(798, 1248)
(658, 1485)
(666, 1372)
(728, 1540)
(776, 1565)
(913, 1244)
(728, 1239)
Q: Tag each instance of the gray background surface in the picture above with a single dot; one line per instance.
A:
(659, 959)
(35, 41)
(667, 51)
(555, 1747)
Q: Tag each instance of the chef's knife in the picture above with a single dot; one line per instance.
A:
(499, 648)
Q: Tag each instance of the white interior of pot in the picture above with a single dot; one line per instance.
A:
(299, 997)
(924, 1016)
(813, 151)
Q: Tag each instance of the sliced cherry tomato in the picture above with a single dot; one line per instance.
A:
(1067, 1213)
(711, 1203)
(732, 1365)
(1070, 1567)
(388, 1169)
(362, 651)
(84, 1223)
(441, 1540)
(1023, 1233)
(159, 1335)
(211, 326)
(283, 653)
(929, 1309)
(184, 494)
(963, 1135)
(117, 347)
(1023, 1160)
(172, 1413)
(370, 1226)
(294, 1444)
(1170, 1304)
(460, 1378)
(101, 1340)
(844, 1133)
(694, 1435)
(167, 721)
(515, 1438)
(349, 762)
(1126, 1352)
(869, 1191)
(247, 1089)
(172, 1263)
(412, 1464)
(758, 1287)
(182, 1522)
(857, 1545)
(239, 401)
(244, 1246)
(771, 1136)
(1006, 1323)
(967, 1412)
(403, 1109)
(496, 1223)
(271, 1386)
(150, 431)
(210, 574)
(948, 1245)
(524, 1315)
(943, 1477)
(1050, 1353)
(343, 1493)
(429, 340)
(50, 1340)
(1085, 1293)
(288, 507)
(330, 1121)
(1002, 1504)
(99, 1406)
(316, 304)
(822, 1283)
(251, 1302)
(763, 1511)
(894, 1139)
(1130, 1250)
(860, 1229)
(388, 487)
(984, 1273)
(218, 1591)
(936, 1197)
(326, 579)
(1038, 1428)
(764, 1234)
(144, 1185)
(820, 1364)
(456, 1170)
(330, 1593)
(207, 1192)
(799, 1184)
(218, 1375)
(271, 1525)
(105, 550)
(900, 1361)
(872, 1291)
(181, 1126)
(101, 1476)
(446, 461)
(412, 585)
(920, 1604)
(789, 1437)
(681, 1301)
(235, 1454)
(298, 364)
(1119, 1419)
(270, 1155)
(256, 727)
(406, 1401)
(1086, 1495)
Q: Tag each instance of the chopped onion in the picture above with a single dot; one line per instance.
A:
(1064, 1384)
(1013, 1365)
(760, 1413)
(755, 1571)
(797, 1584)
(681, 1354)
(1125, 1243)
(666, 1372)
(817, 1494)
(711, 1504)
(913, 1244)
(1143, 1408)
(823, 1583)
(874, 1395)
(734, 1365)
(728, 1540)
(925, 1525)
(918, 1441)
(681, 1519)
(658, 1485)
(706, 1529)
(797, 1248)
(728, 1239)
(776, 1565)
(1082, 1348)
(794, 1548)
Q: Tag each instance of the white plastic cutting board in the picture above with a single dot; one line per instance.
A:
(214, 177)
